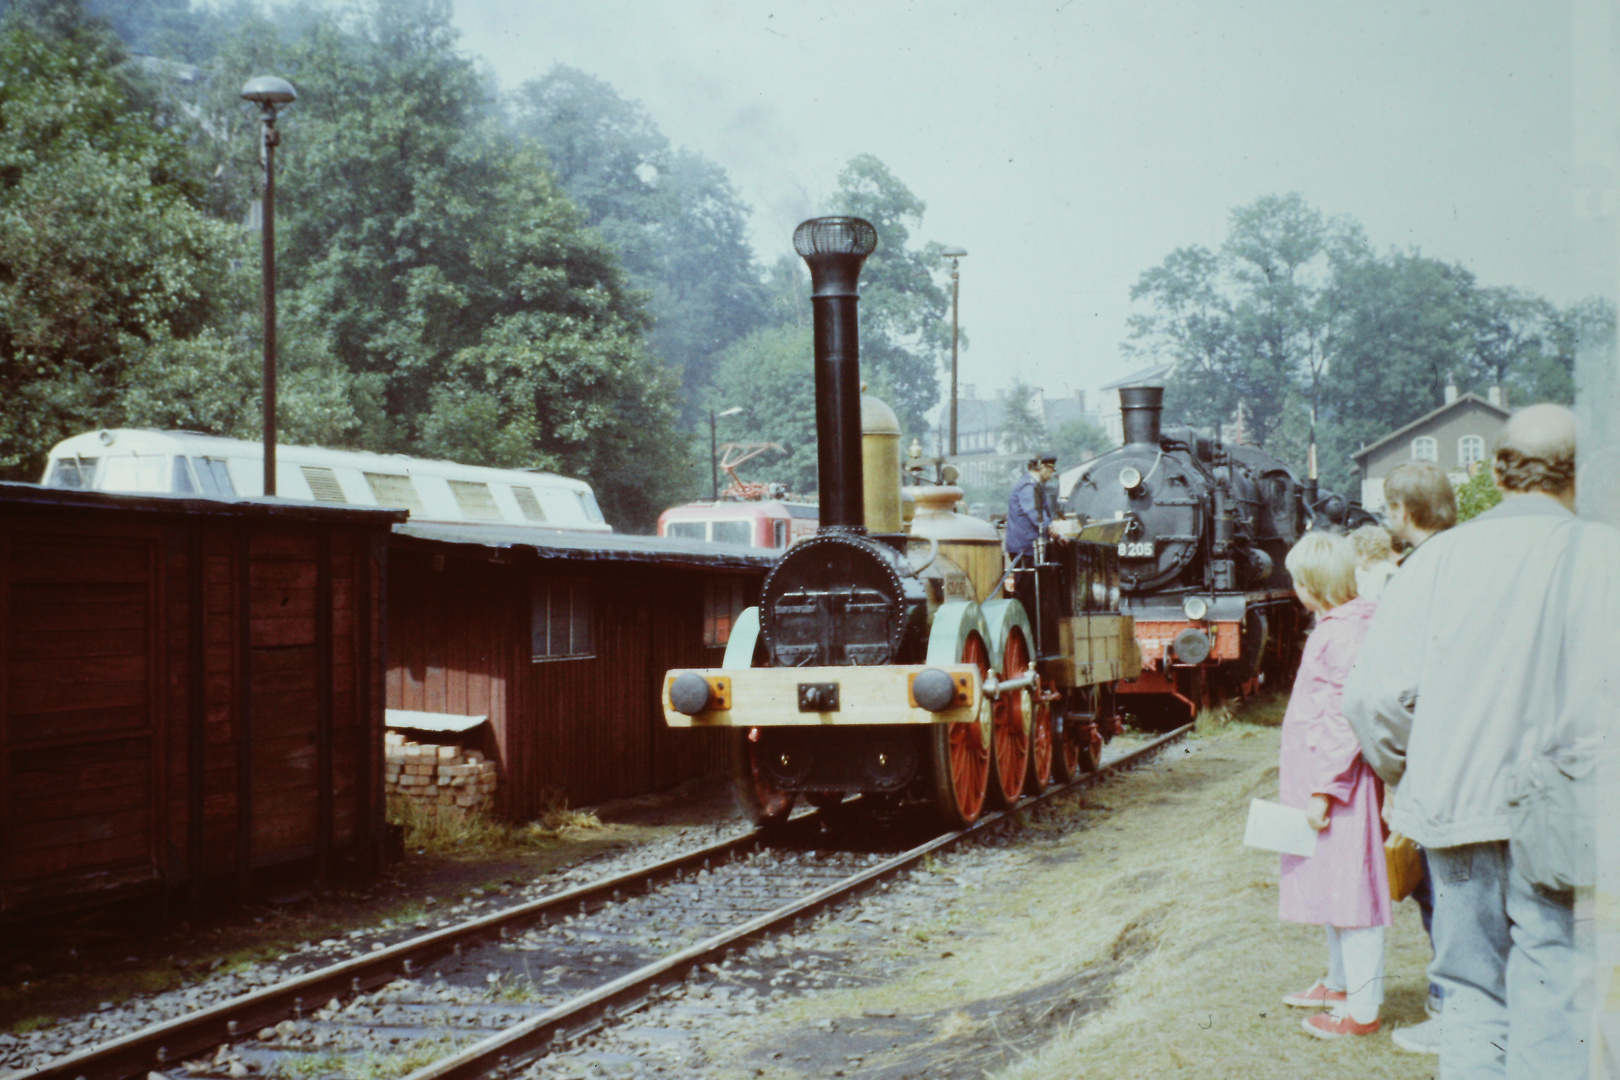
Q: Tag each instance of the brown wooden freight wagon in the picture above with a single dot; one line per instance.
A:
(562, 641)
(190, 695)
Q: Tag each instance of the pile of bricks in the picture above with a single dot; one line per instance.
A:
(432, 775)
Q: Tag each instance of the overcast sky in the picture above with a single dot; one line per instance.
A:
(1069, 145)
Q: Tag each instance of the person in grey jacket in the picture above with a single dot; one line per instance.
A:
(1467, 661)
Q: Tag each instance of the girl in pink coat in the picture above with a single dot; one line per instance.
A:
(1344, 886)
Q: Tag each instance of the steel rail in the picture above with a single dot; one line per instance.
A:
(162, 1045)
(585, 1012)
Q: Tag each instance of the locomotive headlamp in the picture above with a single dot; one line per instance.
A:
(1130, 478)
(1194, 608)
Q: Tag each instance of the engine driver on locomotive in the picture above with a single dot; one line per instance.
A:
(1029, 525)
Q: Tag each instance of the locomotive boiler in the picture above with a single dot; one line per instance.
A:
(1206, 527)
(885, 657)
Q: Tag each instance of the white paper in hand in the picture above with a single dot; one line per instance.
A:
(1275, 827)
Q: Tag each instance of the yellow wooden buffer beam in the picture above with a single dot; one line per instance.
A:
(816, 697)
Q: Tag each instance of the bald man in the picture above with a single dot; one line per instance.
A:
(1498, 629)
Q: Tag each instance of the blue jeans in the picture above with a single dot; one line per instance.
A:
(1517, 990)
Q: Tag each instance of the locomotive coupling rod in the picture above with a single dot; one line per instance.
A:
(994, 687)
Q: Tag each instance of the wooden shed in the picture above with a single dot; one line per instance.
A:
(562, 642)
(190, 694)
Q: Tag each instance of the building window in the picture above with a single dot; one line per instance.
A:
(560, 620)
(1470, 448)
(1425, 448)
(722, 602)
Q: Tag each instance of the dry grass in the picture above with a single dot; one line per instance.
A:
(1144, 882)
(450, 830)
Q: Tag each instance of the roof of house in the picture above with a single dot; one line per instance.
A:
(1400, 432)
(594, 547)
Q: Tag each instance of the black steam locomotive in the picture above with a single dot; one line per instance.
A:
(1206, 529)
(886, 657)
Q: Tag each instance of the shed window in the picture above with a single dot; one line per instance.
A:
(1425, 448)
(560, 622)
(529, 503)
(323, 483)
(1470, 448)
(475, 500)
(391, 489)
(722, 602)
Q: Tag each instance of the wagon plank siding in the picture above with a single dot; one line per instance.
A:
(133, 632)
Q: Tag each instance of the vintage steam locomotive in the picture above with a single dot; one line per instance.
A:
(885, 656)
(1206, 529)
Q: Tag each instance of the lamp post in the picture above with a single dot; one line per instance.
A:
(955, 255)
(267, 92)
(714, 449)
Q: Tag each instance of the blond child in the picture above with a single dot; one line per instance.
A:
(1344, 886)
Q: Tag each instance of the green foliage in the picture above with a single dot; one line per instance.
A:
(1296, 317)
(1023, 428)
(770, 375)
(1076, 440)
(1476, 495)
(905, 327)
(672, 215)
(105, 256)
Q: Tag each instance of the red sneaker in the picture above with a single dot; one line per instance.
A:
(1317, 997)
(1331, 1026)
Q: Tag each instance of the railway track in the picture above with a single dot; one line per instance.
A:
(498, 990)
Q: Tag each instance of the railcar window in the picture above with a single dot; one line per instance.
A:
(587, 502)
(734, 532)
(779, 534)
(560, 620)
(212, 476)
(475, 500)
(687, 530)
(391, 489)
(130, 473)
(723, 601)
(183, 484)
(323, 483)
(1425, 448)
(73, 473)
(529, 503)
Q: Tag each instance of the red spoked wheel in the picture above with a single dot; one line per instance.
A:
(1042, 742)
(1066, 753)
(962, 754)
(763, 803)
(1010, 724)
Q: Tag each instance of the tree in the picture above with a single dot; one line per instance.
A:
(673, 216)
(769, 374)
(109, 271)
(1078, 440)
(904, 333)
(481, 320)
(1023, 428)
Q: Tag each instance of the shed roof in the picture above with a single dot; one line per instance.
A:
(13, 493)
(591, 547)
(1461, 402)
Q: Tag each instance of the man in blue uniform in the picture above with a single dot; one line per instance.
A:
(1029, 516)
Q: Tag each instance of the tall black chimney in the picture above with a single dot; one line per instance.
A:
(1140, 411)
(835, 248)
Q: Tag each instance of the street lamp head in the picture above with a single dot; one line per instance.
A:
(733, 411)
(267, 91)
(952, 253)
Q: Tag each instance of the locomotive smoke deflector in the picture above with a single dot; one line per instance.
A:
(1141, 410)
(834, 248)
